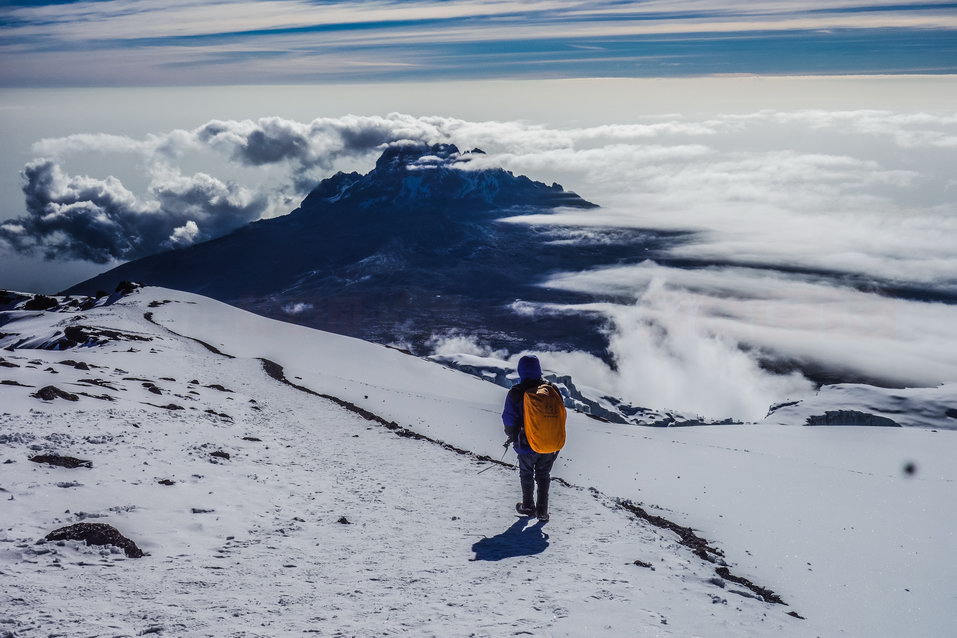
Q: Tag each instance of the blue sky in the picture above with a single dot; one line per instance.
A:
(185, 42)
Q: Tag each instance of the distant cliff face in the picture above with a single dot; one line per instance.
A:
(411, 248)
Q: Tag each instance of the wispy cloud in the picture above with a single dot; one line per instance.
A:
(191, 42)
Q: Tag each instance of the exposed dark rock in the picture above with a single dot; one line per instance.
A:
(252, 438)
(101, 397)
(96, 534)
(951, 412)
(16, 383)
(686, 535)
(7, 364)
(157, 304)
(851, 417)
(74, 336)
(166, 482)
(40, 302)
(777, 406)
(763, 592)
(220, 454)
(149, 317)
(794, 614)
(641, 563)
(219, 414)
(8, 298)
(79, 365)
(167, 379)
(61, 461)
(152, 388)
(51, 392)
(344, 521)
(126, 287)
(100, 383)
(170, 406)
(200, 510)
(216, 386)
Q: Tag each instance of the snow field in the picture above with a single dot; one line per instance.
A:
(252, 546)
(824, 516)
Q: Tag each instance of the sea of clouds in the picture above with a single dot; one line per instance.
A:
(823, 238)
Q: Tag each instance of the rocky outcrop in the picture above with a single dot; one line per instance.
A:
(96, 534)
(51, 392)
(61, 461)
(851, 417)
(40, 302)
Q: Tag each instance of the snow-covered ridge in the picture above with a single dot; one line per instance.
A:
(412, 559)
(589, 401)
(859, 404)
(838, 404)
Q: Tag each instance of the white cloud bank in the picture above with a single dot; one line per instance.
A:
(857, 197)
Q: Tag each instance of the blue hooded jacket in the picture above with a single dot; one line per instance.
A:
(513, 415)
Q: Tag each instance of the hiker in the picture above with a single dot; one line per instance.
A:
(534, 418)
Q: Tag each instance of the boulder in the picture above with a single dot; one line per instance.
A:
(61, 461)
(40, 302)
(96, 534)
(51, 392)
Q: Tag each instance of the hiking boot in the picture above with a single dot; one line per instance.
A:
(527, 506)
(541, 510)
(524, 510)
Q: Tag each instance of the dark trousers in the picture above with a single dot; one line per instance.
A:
(536, 469)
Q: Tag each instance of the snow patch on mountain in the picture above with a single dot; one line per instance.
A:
(858, 404)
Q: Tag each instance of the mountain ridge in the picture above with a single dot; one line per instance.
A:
(412, 248)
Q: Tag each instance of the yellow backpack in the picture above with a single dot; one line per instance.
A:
(544, 419)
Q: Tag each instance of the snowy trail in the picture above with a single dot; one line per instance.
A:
(252, 546)
(824, 516)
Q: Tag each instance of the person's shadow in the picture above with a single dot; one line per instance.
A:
(517, 540)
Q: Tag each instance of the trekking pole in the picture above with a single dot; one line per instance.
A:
(505, 445)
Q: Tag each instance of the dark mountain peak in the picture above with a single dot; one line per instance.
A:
(412, 155)
(419, 175)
